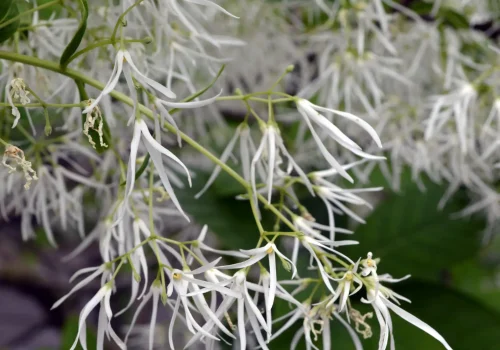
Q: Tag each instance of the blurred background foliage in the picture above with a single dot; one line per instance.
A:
(455, 285)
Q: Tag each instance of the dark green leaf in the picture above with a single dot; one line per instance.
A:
(453, 18)
(4, 8)
(464, 323)
(11, 28)
(77, 38)
(447, 15)
(478, 279)
(421, 8)
(230, 219)
(410, 234)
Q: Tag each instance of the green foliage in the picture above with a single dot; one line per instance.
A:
(77, 38)
(478, 279)
(410, 234)
(229, 218)
(464, 323)
(69, 332)
(5, 6)
(8, 13)
(446, 15)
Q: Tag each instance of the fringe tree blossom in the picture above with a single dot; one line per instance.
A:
(367, 81)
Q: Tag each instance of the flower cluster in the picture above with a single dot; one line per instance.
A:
(128, 96)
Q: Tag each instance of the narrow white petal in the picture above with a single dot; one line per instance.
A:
(243, 264)
(352, 333)
(255, 159)
(171, 325)
(152, 323)
(272, 161)
(222, 252)
(156, 158)
(241, 323)
(134, 146)
(355, 119)
(102, 324)
(297, 314)
(214, 5)
(96, 299)
(257, 332)
(154, 144)
(155, 85)
(417, 322)
(192, 104)
(329, 158)
(205, 267)
(273, 280)
(78, 286)
(111, 84)
(326, 334)
(82, 271)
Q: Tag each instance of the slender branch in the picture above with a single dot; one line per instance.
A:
(74, 74)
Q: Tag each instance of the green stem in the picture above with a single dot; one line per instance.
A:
(76, 75)
(37, 105)
(119, 22)
(104, 42)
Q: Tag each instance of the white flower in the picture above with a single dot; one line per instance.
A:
(316, 319)
(333, 196)
(121, 57)
(240, 294)
(155, 150)
(270, 146)
(369, 266)
(165, 114)
(458, 105)
(154, 292)
(258, 254)
(310, 112)
(105, 314)
(313, 229)
(314, 247)
(96, 271)
(382, 305)
(343, 291)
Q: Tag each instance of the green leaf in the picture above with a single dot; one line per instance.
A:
(447, 15)
(69, 332)
(478, 279)
(77, 38)
(410, 234)
(230, 219)
(453, 18)
(11, 28)
(4, 8)
(421, 8)
(464, 323)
